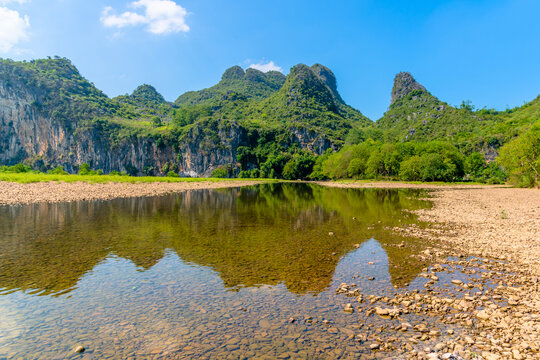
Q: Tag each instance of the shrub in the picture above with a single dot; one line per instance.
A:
(84, 169)
(59, 170)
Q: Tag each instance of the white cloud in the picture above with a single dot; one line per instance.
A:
(159, 16)
(5, 2)
(13, 28)
(269, 66)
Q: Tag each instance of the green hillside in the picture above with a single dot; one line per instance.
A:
(416, 115)
(251, 83)
(256, 124)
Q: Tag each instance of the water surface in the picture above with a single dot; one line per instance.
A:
(202, 274)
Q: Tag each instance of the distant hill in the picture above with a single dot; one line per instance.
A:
(249, 124)
(250, 121)
(251, 83)
(143, 96)
(415, 114)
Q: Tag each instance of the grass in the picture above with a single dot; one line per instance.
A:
(26, 178)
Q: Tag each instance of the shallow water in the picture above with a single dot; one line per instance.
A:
(203, 274)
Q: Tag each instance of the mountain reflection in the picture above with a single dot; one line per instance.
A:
(261, 235)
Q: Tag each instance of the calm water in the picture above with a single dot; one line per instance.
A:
(203, 274)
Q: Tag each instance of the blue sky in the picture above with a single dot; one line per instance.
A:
(484, 51)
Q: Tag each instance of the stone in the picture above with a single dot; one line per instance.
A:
(79, 349)
(381, 311)
(482, 315)
(374, 346)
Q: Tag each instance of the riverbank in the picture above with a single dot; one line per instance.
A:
(12, 193)
(491, 231)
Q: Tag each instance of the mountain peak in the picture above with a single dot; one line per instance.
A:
(404, 83)
(255, 75)
(302, 84)
(233, 73)
(147, 92)
(147, 95)
(328, 78)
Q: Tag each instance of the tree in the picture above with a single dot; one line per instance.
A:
(521, 158)
(299, 167)
(474, 165)
(411, 169)
(84, 169)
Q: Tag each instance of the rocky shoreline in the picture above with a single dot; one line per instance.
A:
(12, 193)
(485, 244)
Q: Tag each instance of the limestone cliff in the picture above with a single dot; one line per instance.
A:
(27, 133)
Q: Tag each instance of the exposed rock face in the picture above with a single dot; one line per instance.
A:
(200, 155)
(312, 141)
(28, 134)
(327, 77)
(50, 115)
(24, 131)
(404, 83)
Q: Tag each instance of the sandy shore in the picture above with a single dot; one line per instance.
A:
(489, 223)
(12, 193)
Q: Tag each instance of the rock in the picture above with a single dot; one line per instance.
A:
(348, 308)
(490, 356)
(457, 282)
(331, 233)
(374, 346)
(381, 311)
(440, 347)
(79, 349)
(421, 328)
(482, 315)
(406, 326)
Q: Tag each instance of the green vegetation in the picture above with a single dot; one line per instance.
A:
(10, 173)
(409, 161)
(286, 127)
(521, 158)
(251, 84)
